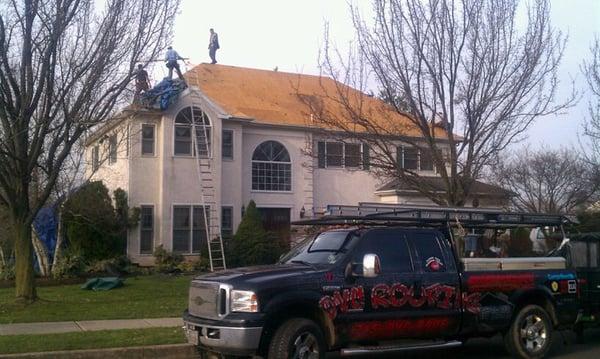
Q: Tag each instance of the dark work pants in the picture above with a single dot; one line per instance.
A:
(212, 52)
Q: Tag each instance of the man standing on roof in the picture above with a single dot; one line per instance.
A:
(142, 82)
(171, 58)
(213, 46)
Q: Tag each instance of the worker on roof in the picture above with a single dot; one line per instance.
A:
(142, 82)
(171, 58)
(213, 46)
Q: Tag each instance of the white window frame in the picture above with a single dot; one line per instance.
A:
(192, 147)
(343, 165)
(232, 144)
(147, 205)
(153, 154)
(419, 169)
(252, 162)
(230, 207)
(112, 160)
(95, 158)
(191, 228)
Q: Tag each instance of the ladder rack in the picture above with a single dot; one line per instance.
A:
(370, 213)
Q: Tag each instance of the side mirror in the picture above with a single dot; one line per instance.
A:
(371, 266)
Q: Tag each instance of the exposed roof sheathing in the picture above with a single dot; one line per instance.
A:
(282, 98)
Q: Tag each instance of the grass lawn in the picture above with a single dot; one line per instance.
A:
(153, 296)
(12, 344)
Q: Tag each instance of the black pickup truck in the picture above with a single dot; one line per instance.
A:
(393, 283)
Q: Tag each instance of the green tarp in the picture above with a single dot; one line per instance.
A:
(105, 283)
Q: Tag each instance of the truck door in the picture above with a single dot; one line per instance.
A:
(386, 313)
(437, 281)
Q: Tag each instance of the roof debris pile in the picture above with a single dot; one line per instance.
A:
(161, 96)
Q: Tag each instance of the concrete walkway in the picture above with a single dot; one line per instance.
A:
(87, 326)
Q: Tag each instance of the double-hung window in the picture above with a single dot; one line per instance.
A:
(227, 144)
(148, 139)
(95, 158)
(414, 159)
(146, 229)
(112, 149)
(226, 221)
(340, 154)
(189, 228)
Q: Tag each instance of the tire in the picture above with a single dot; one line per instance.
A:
(297, 338)
(530, 334)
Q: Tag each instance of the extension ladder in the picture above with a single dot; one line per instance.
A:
(204, 158)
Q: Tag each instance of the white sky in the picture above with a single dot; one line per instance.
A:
(289, 34)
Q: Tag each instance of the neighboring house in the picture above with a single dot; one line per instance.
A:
(260, 136)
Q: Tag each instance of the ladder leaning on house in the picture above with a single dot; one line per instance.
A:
(204, 167)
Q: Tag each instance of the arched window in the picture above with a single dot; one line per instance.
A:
(271, 168)
(183, 132)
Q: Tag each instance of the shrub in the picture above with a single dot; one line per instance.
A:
(251, 244)
(165, 261)
(7, 270)
(114, 266)
(70, 265)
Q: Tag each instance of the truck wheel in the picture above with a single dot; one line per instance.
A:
(297, 338)
(530, 334)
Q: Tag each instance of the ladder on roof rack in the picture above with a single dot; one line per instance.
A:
(370, 212)
(210, 214)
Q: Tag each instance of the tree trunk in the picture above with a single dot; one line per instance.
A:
(59, 239)
(41, 253)
(24, 283)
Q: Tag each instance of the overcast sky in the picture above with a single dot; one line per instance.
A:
(289, 34)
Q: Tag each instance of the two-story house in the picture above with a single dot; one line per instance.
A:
(258, 130)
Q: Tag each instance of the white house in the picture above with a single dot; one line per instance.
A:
(259, 132)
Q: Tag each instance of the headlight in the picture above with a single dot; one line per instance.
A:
(243, 301)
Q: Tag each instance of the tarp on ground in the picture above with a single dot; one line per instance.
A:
(104, 283)
(161, 96)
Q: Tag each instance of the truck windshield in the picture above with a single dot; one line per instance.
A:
(326, 248)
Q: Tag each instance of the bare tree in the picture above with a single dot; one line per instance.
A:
(64, 67)
(591, 70)
(548, 181)
(463, 78)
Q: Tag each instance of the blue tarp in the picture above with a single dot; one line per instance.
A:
(163, 94)
(45, 225)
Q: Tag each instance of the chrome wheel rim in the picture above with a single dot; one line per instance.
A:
(533, 333)
(306, 347)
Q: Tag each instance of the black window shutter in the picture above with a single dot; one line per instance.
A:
(366, 157)
(321, 153)
(399, 157)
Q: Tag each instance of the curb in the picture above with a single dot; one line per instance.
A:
(170, 351)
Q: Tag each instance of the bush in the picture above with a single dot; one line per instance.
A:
(70, 265)
(165, 261)
(115, 266)
(7, 270)
(251, 244)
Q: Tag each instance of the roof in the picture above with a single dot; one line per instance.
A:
(478, 188)
(280, 98)
(129, 111)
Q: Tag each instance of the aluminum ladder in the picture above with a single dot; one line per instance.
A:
(204, 158)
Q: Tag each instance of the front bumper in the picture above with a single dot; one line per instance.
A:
(221, 338)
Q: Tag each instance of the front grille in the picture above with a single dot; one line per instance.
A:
(204, 299)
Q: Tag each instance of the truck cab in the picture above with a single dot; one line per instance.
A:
(374, 288)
